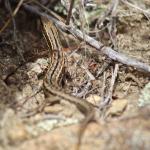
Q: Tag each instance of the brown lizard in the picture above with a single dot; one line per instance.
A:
(54, 75)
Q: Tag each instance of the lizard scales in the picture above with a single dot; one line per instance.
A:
(54, 75)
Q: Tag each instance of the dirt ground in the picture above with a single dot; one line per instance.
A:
(123, 124)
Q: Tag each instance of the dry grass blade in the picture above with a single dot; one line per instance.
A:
(13, 15)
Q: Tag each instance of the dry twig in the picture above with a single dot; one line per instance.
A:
(145, 12)
(112, 54)
(13, 15)
(70, 12)
(108, 99)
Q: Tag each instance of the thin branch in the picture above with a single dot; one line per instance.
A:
(112, 54)
(13, 15)
(108, 99)
(145, 12)
(70, 12)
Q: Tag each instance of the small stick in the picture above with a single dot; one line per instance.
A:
(13, 15)
(145, 12)
(113, 79)
(112, 54)
(70, 12)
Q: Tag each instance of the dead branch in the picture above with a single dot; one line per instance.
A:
(108, 51)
